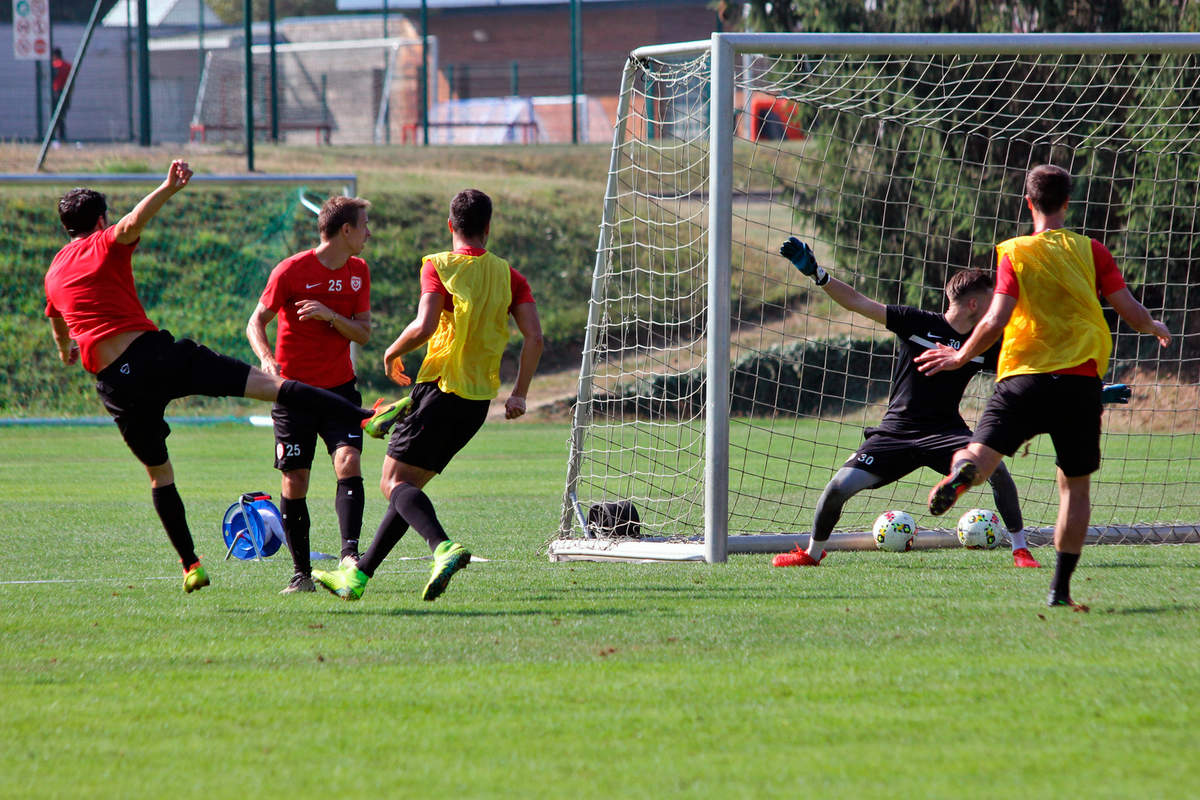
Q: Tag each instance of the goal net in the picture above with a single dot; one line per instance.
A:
(337, 92)
(720, 390)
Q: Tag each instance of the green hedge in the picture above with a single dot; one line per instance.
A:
(808, 378)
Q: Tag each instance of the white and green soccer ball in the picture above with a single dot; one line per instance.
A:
(894, 531)
(979, 529)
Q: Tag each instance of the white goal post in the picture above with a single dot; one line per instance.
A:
(719, 390)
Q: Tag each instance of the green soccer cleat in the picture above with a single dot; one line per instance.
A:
(194, 578)
(348, 583)
(378, 425)
(448, 558)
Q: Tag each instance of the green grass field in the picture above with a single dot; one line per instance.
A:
(927, 674)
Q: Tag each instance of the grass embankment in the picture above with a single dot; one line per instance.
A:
(202, 264)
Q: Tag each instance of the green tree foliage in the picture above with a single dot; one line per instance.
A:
(1135, 189)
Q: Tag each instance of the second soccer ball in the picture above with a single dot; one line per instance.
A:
(894, 531)
(979, 529)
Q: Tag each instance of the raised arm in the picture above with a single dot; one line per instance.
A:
(845, 295)
(530, 325)
(1138, 316)
(130, 226)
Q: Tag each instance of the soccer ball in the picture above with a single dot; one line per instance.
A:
(894, 531)
(979, 529)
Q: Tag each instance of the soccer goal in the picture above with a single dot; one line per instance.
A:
(720, 390)
(358, 91)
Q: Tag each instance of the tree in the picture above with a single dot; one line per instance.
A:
(918, 223)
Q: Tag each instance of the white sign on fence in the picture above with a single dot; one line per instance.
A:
(31, 29)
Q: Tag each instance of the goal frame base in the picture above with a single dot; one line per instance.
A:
(658, 549)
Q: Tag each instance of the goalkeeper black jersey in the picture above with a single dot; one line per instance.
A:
(919, 403)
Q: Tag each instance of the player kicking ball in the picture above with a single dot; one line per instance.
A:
(467, 296)
(1056, 346)
(97, 320)
(922, 426)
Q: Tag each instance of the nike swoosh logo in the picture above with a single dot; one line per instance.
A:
(353, 436)
(933, 336)
(311, 285)
(928, 345)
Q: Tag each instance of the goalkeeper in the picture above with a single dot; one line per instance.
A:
(922, 425)
(1056, 346)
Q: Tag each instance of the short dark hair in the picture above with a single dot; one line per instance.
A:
(338, 211)
(80, 209)
(56, 52)
(968, 281)
(1048, 187)
(471, 212)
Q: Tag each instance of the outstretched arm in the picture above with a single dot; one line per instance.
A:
(129, 228)
(530, 325)
(1138, 316)
(429, 311)
(845, 295)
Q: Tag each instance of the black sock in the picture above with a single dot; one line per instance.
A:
(349, 504)
(391, 528)
(1060, 586)
(416, 507)
(301, 396)
(169, 506)
(295, 529)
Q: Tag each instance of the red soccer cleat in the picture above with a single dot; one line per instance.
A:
(1023, 558)
(797, 558)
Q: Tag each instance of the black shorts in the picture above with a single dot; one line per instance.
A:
(296, 432)
(891, 455)
(154, 370)
(1065, 406)
(439, 425)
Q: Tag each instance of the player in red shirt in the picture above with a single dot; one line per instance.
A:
(97, 319)
(322, 298)
(60, 70)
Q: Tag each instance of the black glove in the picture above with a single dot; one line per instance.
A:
(802, 258)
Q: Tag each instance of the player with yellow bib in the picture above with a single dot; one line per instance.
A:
(467, 296)
(1056, 348)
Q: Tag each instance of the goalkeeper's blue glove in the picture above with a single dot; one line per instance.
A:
(802, 258)
(1115, 393)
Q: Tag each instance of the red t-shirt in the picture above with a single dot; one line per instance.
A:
(432, 282)
(60, 70)
(313, 351)
(90, 285)
(1108, 280)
